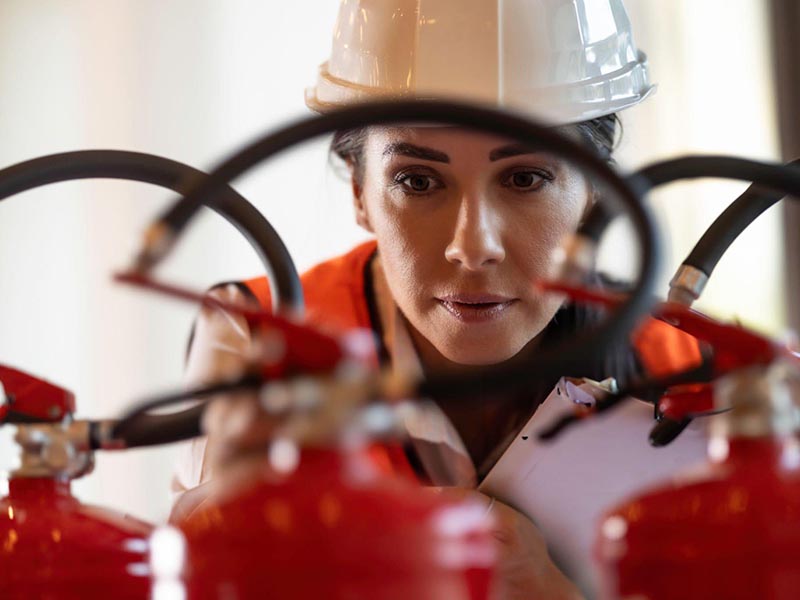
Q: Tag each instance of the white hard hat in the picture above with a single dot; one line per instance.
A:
(560, 60)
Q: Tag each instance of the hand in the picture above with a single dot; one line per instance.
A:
(237, 427)
(524, 567)
(224, 349)
(239, 433)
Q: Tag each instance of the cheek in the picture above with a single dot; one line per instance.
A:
(535, 235)
(410, 244)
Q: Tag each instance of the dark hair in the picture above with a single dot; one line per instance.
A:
(601, 135)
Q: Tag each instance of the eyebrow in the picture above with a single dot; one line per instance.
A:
(405, 149)
(509, 151)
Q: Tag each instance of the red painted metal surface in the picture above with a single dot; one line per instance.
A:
(338, 529)
(34, 397)
(681, 401)
(306, 349)
(53, 547)
(731, 530)
(734, 346)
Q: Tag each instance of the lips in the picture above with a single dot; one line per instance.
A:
(476, 308)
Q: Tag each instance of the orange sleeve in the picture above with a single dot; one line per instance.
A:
(334, 291)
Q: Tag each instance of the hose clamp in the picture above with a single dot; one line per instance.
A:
(687, 285)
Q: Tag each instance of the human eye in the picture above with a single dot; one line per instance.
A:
(526, 179)
(416, 182)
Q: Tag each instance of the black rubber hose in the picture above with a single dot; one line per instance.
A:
(717, 239)
(783, 179)
(146, 429)
(730, 224)
(170, 174)
(137, 428)
(779, 177)
(154, 430)
(565, 357)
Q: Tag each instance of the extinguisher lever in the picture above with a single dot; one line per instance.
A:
(729, 347)
(677, 407)
(25, 398)
(734, 347)
(300, 348)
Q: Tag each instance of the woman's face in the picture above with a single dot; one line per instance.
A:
(465, 224)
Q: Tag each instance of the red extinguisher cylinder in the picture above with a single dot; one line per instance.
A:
(727, 529)
(337, 528)
(54, 547)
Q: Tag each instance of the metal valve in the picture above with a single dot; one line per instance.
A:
(54, 450)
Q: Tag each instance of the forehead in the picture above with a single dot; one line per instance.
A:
(441, 137)
(449, 144)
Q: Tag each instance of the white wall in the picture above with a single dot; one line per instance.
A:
(711, 60)
(193, 80)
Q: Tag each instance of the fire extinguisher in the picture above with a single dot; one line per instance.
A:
(677, 406)
(51, 545)
(731, 528)
(728, 529)
(333, 509)
(330, 511)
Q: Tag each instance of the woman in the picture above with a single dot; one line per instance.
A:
(462, 222)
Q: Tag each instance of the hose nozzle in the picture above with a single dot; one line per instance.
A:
(157, 242)
(687, 285)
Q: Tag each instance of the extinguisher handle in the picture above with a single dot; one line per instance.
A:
(303, 348)
(734, 347)
(138, 427)
(31, 399)
(689, 400)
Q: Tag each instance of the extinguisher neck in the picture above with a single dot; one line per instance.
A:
(37, 487)
(56, 451)
(783, 453)
(355, 464)
(760, 402)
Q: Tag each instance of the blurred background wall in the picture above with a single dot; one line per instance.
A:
(193, 80)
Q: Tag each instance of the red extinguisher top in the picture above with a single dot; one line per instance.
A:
(33, 397)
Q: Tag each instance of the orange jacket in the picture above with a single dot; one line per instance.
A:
(336, 301)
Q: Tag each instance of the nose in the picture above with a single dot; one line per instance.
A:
(477, 241)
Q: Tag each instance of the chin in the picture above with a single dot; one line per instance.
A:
(467, 354)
